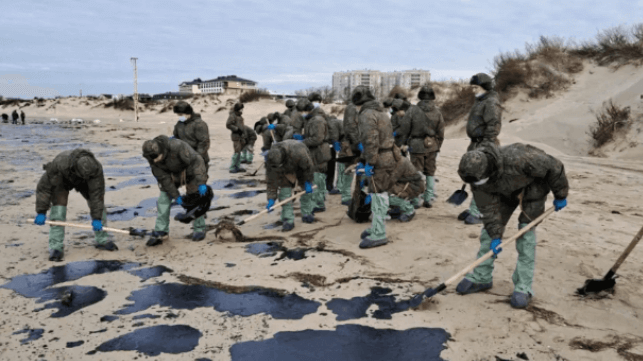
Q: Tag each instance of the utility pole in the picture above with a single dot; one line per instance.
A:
(133, 60)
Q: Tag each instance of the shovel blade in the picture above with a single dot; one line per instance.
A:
(137, 232)
(458, 197)
(594, 286)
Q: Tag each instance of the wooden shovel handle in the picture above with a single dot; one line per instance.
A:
(258, 168)
(277, 205)
(627, 251)
(83, 226)
(350, 169)
(489, 254)
(272, 133)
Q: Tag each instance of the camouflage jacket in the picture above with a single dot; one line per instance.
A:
(194, 131)
(421, 121)
(351, 126)
(236, 125)
(297, 121)
(298, 165)
(316, 131)
(485, 119)
(250, 136)
(178, 157)
(396, 124)
(518, 170)
(281, 132)
(285, 119)
(408, 183)
(376, 135)
(335, 130)
(60, 174)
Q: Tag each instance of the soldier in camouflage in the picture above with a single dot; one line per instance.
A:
(276, 118)
(423, 132)
(290, 105)
(335, 138)
(193, 130)
(483, 126)
(238, 133)
(174, 163)
(502, 180)
(72, 169)
(349, 149)
(280, 132)
(378, 162)
(398, 110)
(316, 139)
(288, 164)
(247, 153)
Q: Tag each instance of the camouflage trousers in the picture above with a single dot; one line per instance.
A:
(523, 276)
(344, 182)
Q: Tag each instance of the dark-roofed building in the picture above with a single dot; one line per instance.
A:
(171, 95)
(230, 84)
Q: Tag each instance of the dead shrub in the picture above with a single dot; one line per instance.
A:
(511, 70)
(254, 95)
(616, 46)
(169, 106)
(120, 104)
(220, 109)
(610, 121)
(398, 89)
(458, 104)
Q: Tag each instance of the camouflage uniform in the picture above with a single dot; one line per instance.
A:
(316, 139)
(280, 119)
(60, 177)
(247, 152)
(14, 117)
(297, 121)
(290, 105)
(194, 131)
(424, 134)
(237, 127)
(485, 121)
(397, 118)
(180, 165)
(376, 136)
(519, 176)
(281, 133)
(297, 168)
(349, 148)
(335, 134)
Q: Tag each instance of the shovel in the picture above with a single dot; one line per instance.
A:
(131, 232)
(417, 300)
(256, 170)
(593, 286)
(459, 196)
(227, 225)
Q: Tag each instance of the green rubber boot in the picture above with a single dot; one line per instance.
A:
(236, 162)
(57, 233)
(102, 236)
(319, 193)
(249, 157)
(484, 272)
(429, 194)
(287, 210)
(198, 225)
(344, 182)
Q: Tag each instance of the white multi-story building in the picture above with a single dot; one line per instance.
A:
(222, 84)
(381, 82)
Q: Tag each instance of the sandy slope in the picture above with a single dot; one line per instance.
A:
(604, 213)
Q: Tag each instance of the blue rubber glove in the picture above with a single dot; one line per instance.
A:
(362, 183)
(367, 200)
(203, 189)
(368, 170)
(309, 187)
(97, 224)
(337, 146)
(40, 219)
(179, 201)
(494, 246)
(271, 127)
(172, 137)
(271, 203)
(360, 146)
(359, 167)
(394, 134)
(298, 137)
(559, 204)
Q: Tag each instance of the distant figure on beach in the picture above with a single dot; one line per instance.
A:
(5, 118)
(14, 117)
(22, 117)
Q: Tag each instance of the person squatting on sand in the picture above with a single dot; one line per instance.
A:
(193, 130)
(483, 126)
(174, 164)
(289, 163)
(238, 136)
(422, 131)
(72, 169)
(247, 153)
(503, 179)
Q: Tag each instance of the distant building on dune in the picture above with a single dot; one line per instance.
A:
(381, 82)
(230, 84)
(171, 95)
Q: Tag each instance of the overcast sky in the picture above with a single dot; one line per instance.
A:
(58, 47)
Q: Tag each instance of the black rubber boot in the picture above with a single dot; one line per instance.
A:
(56, 255)
(107, 246)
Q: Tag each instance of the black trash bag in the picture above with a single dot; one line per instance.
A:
(195, 206)
(358, 211)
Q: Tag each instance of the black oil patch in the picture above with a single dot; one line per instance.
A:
(230, 184)
(153, 341)
(347, 342)
(75, 344)
(356, 307)
(188, 297)
(31, 334)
